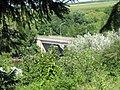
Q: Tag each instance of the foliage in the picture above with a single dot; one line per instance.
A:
(87, 70)
(8, 78)
(6, 61)
(76, 23)
(113, 20)
(77, 69)
(14, 36)
(111, 58)
(24, 13)
(39, 68)
(81, 70)
(91, 62)
(96, 42)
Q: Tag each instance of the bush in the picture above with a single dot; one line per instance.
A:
(8, 78)
(77, 69)
(110, 59)
(39, 69)
(96, 42)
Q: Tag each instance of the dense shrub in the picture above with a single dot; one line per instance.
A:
(111, 59)
(39, 69)
(8, 78)
(79, 69)
(96, 42)
(87, 70)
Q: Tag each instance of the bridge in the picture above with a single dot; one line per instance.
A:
(44, 42)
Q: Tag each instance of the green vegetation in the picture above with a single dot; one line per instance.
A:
(88, 6)
(76, 23)
(74, 71)
(91, 62)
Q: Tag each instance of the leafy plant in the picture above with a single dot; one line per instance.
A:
(96, 42)
(111, 59)
(8, 80)
(39, 68)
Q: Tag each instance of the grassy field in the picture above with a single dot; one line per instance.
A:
(88, 6)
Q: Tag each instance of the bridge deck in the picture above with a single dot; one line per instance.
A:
(55, 39)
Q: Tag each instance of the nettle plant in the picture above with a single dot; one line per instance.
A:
(96, 42)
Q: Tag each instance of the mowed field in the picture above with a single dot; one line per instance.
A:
(87, 6)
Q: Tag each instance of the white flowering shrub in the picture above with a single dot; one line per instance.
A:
(94, 42)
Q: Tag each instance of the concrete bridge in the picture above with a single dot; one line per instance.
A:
(44, 42)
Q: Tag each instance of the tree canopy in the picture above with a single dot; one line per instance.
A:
(113, 22)
(25, 11)
(22, 13)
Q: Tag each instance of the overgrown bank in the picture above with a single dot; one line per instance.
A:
(82, 70)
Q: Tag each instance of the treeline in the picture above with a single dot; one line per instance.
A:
(76, 23)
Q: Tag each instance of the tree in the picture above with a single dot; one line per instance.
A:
(113, 22)
(23, 13)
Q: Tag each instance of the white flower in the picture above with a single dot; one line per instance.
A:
(93, 42)
(1, 69)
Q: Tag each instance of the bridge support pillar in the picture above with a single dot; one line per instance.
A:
(62, 46)
(60, 49)
(40, 44)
